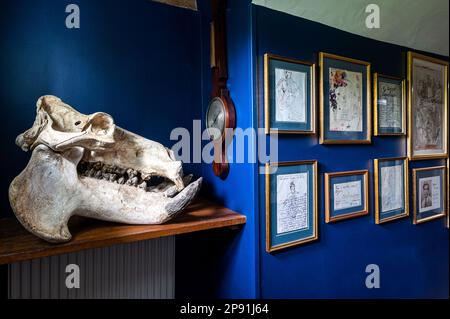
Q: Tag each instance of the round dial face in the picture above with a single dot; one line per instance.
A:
(215, 118)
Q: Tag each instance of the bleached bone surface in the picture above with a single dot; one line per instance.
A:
(85, 165)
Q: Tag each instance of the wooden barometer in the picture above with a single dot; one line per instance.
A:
(221, 113)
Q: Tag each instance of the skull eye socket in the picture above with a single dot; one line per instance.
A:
(77, 123)
(102, 124)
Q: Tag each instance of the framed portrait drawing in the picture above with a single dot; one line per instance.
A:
(391, 189)
(429, 198)
(346, 195)
(389, 102)
(427, 107)
(345, 112)
(289, 97)
(291, 204)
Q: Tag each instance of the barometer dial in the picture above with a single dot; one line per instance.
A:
(216, 118)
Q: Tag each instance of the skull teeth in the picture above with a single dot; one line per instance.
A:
(121, 176)
(143, 185)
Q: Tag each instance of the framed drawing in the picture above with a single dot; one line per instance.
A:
(291, 204)
(448, 195)
(391, 189)
(389, 102)
(429, 186)
(427, 107)
(345, 112)
(289, 95)
(346, 195)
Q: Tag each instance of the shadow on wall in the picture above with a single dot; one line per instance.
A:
(140, 63)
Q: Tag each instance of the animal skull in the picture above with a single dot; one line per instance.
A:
(86, 165)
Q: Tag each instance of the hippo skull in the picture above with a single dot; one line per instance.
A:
(85, 165)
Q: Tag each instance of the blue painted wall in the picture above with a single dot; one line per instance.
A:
(414, 260)
(148, 65)
(138, 61)
(224, 263)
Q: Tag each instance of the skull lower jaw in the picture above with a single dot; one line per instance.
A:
(50, 191)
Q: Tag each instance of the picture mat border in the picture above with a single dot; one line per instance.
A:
(410, 56)
(315, 236)
(364, 212)
(447, 193)
(376, 77)
(406, 213)
(444, 200)
(267, 128)
(322, 140)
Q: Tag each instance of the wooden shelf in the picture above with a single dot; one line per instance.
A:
(17, 244)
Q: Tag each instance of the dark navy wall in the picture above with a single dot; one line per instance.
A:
(147, 64)
(225, 263)
(137, 60)
(413, 260)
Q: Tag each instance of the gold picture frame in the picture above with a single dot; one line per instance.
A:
(378, 219)
(448, 194)
(441, 214)
(411, 56)
(267, 95)
(315, 229)
(376, 131)
(368, 109)
(328, 211)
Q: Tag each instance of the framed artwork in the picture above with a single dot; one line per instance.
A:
(346, 195)
(389, 100)
(291, 204)
(448, 195)
(391, 189)
(289, 95)
(429, 198)
(345, 112)
(427, 107)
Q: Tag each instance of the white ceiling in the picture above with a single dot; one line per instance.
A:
(417, 24)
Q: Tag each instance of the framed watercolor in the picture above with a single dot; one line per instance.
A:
(389, 102)
(291, 204)
(345, 111)
(427, 107)
(346, 195)
(391, 189)
(289, 95)
(429, 197)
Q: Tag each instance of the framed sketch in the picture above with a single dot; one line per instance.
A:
(427, 107)
(391, 189)
(346, 195)
(389, 102)
(291, 204)
(429, 186)
(289, 95)
(345, 112)
(448, 195)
